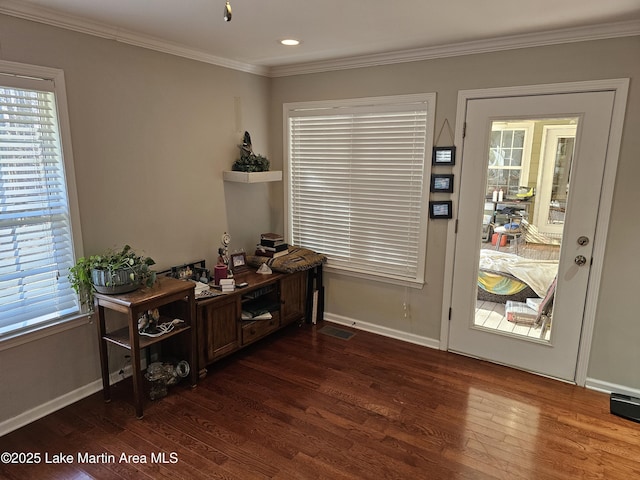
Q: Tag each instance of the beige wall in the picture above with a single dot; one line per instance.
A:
(152, 134)
(614, 353)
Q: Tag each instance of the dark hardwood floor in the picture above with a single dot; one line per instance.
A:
(303, 405)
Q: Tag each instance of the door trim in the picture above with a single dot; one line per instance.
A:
(620, 88)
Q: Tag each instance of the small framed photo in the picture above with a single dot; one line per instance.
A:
(443, 156)
(441, 183)
(441, 209)
(238, 262)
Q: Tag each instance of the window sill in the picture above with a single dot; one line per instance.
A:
(38, 332)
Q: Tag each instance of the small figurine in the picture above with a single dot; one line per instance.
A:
(247, 148)
(223, 252)
(222, 258)
(148, 321)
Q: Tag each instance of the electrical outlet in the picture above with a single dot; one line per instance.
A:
(125, 370)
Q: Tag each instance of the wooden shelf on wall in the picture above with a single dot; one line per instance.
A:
(253, 177)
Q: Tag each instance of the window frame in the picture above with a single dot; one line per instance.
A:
(430, 100)
(10, 74)
(525, 164)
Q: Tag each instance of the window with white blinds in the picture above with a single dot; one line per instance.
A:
(356, 183)
(36, 245)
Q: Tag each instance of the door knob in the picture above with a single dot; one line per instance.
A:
(580, 260)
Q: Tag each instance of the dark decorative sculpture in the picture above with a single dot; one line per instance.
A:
(246, 147)
(249, 161)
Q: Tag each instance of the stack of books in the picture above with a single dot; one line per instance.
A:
(227, 284)
(259, 309)
(261, 316)
(272, 245)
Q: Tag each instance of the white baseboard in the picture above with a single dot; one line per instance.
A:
(49, 407)
(384, 331)
(607, 387)
(62, 401)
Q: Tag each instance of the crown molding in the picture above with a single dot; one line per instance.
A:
(185, 52)
(553, 37)
(512, 42)
(82, 25)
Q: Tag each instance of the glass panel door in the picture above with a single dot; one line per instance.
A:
(502, 247)
(528, 175)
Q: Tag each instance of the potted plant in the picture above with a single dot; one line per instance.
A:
(113, 272)
(249, 161)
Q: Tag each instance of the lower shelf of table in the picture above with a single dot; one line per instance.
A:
(121, 337)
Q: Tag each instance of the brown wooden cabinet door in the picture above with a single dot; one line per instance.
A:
(218, 329)
(293, 291)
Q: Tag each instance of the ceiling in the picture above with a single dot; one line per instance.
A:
(334, 33)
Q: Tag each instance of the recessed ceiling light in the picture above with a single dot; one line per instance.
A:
(290, 42)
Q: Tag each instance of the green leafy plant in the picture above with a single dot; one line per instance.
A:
(250, 162)
(120, 267)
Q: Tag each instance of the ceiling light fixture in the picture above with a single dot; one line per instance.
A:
(227, 12)
(290, 42)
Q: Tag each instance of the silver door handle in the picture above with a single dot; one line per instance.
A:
(580, 260)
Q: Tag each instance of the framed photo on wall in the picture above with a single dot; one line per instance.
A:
(443, 156)
(442, 182)
(441, 209)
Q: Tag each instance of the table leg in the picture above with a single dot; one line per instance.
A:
(309, 299)
(134, 341)
(104, 355)
(320, 288)
(193, 345)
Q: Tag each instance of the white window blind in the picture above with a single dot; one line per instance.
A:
(36, 247)
(356, 184)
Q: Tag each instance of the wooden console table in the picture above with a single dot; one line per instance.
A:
(175, 299)
(221, 327)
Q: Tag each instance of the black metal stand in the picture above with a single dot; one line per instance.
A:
(315, 289)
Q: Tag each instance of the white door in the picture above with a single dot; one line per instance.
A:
(556, 353)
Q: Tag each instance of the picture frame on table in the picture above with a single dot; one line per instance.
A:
(441, 183)
(238, 262)
(441, 209)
